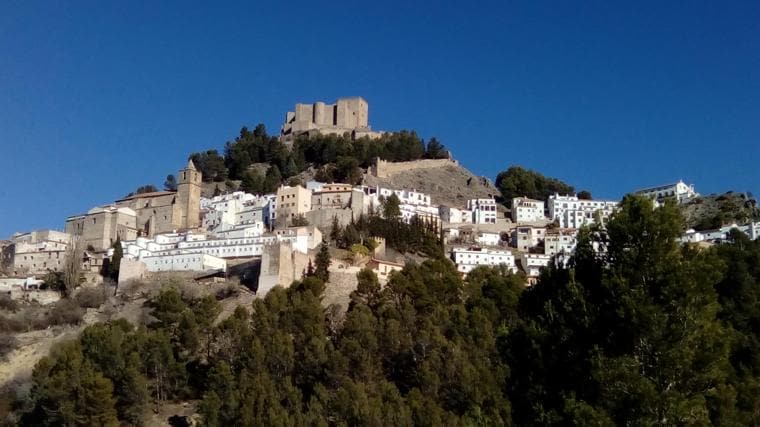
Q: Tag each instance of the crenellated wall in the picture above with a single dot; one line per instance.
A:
(385, 169)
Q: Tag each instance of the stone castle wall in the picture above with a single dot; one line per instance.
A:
(280, 265)
(385, 169)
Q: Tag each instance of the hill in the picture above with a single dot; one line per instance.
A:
(447, 182)
(715, 210)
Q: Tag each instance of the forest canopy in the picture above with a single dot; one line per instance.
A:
(636, 330)
(337, 157)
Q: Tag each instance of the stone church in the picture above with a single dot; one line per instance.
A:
(167, 211)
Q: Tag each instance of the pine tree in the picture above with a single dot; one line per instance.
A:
(171, 183)
(335, 230)
(391, 208)
(114, 263)
(322, 263)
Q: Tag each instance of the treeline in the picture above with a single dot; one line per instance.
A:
(418, 235)
(336, 157)
(520, 182)
(116, 372)
(636, 330)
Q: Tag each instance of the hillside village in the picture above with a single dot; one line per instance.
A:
(275, 237)
(249, 231)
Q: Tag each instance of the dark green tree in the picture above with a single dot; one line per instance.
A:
(272, 180)
(518, 182)
(299, 221)
(252, 182)
(211, 165)
(391, 207)
(322, 263)
(171, 183)
(635, 320)
(335, 230)
(435, 150)
(67, 390)
(115, 261)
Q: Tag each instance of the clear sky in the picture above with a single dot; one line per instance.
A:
(97, 98)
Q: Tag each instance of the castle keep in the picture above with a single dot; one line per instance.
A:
(346, 115)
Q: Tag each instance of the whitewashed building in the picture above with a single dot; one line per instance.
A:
(486, 238)
(36, 252)
(407, 197)
(455, 215)
(172, 245)
(527, 210)
(679, 191)
(183, 262)
(532, 264)
(560, 241)
(426, 213)
(571, 212)
(467, 259)
(483, 210)
(526, 237)
(228, 211)
(752, 230)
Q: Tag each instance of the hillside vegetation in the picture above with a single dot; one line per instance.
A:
(520, 182)
(650, 333)
(334, 158)
(713, 211)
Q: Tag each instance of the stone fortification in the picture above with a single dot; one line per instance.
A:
(347, 115)
(323, 218)
(384, 169)
(280, 265)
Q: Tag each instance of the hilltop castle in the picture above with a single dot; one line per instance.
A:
(346, 115)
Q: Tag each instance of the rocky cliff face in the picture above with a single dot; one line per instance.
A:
(450, 185)
(713, 211)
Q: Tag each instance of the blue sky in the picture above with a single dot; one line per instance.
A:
(97, 98)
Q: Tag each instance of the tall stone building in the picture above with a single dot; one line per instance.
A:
(167, 211)
(36, 252)
(101, 226)
(346, 115)
(189, 196)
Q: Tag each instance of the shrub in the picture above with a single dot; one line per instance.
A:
(131, 288)
(65, 312)
(6, 303)
(8, 343)
(91, 297)
(11, 324)
(230, 291)
(358, 249)
(371, 244)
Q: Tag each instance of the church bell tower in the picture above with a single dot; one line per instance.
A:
(189, 196)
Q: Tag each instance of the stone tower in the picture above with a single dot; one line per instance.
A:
(188, 203)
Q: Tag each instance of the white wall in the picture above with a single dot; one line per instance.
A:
(467, 259)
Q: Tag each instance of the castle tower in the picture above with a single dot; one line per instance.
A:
(188, 201)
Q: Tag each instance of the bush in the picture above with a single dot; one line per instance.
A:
(230, 291)
(131, 288)
(371, 244)
(8, 343)
(65, 312)
(358, 249)
(12, 324)
(91, 297)
(6, 303)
